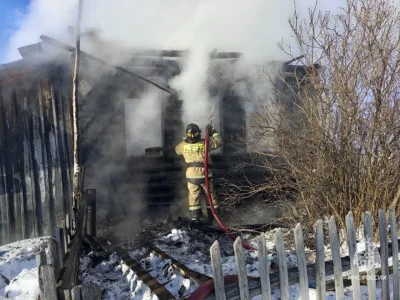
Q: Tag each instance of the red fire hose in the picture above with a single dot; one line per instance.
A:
(205, 289)
(210, 202)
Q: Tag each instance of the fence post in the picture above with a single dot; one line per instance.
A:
(283, 271)
(320, 260)
(91, 213)
(384, 255)
(301, 262)
(48, 281)
(218, 275)
(241, 269)
(370, 256)
(41, 260)
(352, 244)
(395, 255)
(264, 268)
(337, 262)
(54, 258)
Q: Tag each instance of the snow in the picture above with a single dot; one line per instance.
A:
(115, 279)
(18, 271)
(19, 275)
(192, 249)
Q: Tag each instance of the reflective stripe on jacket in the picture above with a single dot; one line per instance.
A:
(194, 153)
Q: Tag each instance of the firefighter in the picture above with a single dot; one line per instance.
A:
(192, 149)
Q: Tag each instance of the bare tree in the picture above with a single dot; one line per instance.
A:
(335, 144)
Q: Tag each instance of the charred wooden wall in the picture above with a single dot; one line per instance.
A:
(35, 151)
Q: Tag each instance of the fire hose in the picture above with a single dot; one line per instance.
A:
(205, 289)
(208, 192)
(207, 183)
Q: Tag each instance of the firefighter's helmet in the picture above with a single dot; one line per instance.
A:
(193, 133)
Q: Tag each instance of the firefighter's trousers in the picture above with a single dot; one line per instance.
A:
(194, 188)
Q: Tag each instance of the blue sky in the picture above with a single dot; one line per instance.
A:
(9, 12)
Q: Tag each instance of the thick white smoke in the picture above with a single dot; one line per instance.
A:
(143, 122)
(251, 27)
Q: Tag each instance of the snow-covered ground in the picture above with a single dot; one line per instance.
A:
(191, 248)
(19, 278)
(18, 271)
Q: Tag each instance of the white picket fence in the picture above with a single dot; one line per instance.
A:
(220, 292)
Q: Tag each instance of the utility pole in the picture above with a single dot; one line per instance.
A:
(76, 186)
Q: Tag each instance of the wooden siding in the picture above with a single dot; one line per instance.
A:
(35, 155)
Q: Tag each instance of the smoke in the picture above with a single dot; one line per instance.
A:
(143, 122)
(114, 30)
(114, 27)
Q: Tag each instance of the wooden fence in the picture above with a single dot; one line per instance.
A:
(35, 151)
(58, 262)
(248, 287)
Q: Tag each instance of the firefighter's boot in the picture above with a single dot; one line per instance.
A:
(195, 215)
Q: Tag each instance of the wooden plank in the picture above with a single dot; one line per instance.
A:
(9, 163)
(320, 260)
(17, 164)
(76, 293)
(60, 245)
(91, 219)
(90, 292)
(8, 159)
(283, 271)
(50, 146)
(301, 262)
(334, 241)
(67, 114)
(264, 267)
(30, 214)
(43, 169)
(241, 269)
(54, 257)
(25, 224)
(395, 255)
(352, 244)
(218, 275)
(59, 205)
(63, 146)
(384, 255)
(70, 276)
(370, 256)
(5, 223)
(41, 260)
(46, 276)
(35, 157)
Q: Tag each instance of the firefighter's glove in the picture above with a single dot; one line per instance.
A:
(211, 130)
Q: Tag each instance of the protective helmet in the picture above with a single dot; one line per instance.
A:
(193, 133)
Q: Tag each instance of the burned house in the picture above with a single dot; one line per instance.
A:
(36, 138)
